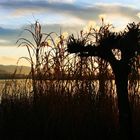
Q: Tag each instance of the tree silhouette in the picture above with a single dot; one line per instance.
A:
(128, 44)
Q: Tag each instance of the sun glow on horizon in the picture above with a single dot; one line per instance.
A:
(69, 15)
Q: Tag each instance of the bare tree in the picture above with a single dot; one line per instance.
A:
(127, 43)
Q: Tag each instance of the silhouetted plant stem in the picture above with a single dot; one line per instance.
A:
(34, 83)
(120, 70)
(102, 76)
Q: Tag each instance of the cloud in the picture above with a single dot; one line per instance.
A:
(84, 12)
(61, 1)
(69, 16)
(25, 11)
(4, 41)
(54, 15)
(138, 15)
(118, 21)
(6, 31)
(8, 37)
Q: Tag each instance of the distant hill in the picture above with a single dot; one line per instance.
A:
(10, 69)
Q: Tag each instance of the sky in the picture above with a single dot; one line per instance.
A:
(67, 15)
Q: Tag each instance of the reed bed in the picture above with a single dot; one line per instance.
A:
(65, 96)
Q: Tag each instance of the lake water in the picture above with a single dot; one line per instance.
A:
(23, 87)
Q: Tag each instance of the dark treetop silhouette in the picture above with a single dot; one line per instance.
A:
(128, 44)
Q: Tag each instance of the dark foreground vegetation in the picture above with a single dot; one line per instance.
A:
(47, 107)
(61, 114)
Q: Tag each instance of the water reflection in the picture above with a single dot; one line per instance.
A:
(23, 88)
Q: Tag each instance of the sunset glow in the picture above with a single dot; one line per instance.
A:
(68, 15)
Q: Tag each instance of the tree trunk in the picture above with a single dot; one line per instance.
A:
(121, 80)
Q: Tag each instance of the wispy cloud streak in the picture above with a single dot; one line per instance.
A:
(85, 12)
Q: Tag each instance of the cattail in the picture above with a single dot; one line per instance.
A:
(37, 28)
